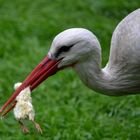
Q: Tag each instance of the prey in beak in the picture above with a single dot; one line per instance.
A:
(42, 71)
(24, 109)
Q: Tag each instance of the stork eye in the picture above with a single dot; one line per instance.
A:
(63, 49)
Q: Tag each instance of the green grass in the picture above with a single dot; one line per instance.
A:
(65, 108)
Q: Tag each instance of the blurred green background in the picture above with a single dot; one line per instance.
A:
(65, 108)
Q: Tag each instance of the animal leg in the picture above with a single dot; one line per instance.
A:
(37, 126)
(23, 127)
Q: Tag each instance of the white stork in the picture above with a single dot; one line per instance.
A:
(80, 49)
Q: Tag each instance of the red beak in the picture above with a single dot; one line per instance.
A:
(44, 69)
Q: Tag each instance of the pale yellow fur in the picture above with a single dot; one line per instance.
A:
(24, 108)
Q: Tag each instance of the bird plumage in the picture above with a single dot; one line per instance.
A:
(121, 75)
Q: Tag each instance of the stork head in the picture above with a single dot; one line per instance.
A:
(73, 46)
(69, 48)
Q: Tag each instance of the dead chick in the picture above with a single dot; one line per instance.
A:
(24, 109)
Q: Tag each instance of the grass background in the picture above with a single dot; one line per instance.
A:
(65, 108)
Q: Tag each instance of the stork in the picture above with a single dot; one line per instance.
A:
(80, 49)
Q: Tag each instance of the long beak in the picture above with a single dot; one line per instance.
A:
(44, 69)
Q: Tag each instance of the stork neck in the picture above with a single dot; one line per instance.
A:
(94, 77)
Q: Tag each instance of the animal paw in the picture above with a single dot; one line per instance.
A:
(38, 128)
(25, 129)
